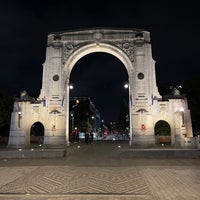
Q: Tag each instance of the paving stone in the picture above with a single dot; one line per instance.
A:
(98, 172)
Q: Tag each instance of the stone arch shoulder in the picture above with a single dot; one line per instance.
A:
(106, 47)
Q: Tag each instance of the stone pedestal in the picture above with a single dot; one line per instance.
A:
(198, 142)
(143, 140)
(17, 139)
(55, 138)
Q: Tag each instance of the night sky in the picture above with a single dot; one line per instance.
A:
(174, 29)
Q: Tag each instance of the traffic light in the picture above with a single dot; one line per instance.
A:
(77, 101)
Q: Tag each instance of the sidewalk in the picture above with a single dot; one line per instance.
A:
(99, 171)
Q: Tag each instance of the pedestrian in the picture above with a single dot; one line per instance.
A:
(86, 137)
(77, 136)
(91, 137)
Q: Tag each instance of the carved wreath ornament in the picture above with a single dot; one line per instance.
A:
(97, 36)
(128, 48)
(68, 49)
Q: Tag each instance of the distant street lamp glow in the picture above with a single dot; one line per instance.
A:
(71, 87)
(126, 85)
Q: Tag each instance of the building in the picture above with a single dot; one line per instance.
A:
(83, 114)
(148, 111)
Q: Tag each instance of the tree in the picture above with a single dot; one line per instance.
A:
(192, 90)
(6, 107)
(83, 125)
(122, 122)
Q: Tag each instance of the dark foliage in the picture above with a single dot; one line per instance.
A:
(6, 107)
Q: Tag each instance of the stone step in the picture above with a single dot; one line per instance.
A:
(32, 153)
(73, 197)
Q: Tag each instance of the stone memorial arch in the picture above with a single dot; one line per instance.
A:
(146, 106)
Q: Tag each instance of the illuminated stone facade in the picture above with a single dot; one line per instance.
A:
(133, 49)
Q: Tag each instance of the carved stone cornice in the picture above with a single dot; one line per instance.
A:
(124, 39)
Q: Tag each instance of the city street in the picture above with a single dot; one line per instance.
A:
(100, 171)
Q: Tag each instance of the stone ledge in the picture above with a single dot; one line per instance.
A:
(160, 153)
(76, 196)
(33, 153)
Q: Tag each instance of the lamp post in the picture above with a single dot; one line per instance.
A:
(72, 118)
(127, 86)
(69, 86)
(93, 123)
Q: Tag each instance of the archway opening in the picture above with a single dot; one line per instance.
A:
(163, 132)
(98, 79)
(37, 134)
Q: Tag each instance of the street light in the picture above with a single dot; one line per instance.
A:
(72, 118)
(93, 123)
(126, 85)
(71, 87)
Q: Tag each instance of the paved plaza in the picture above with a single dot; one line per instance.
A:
(99, 171)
